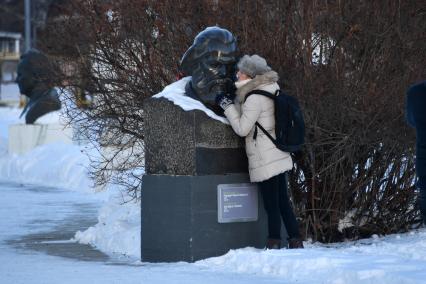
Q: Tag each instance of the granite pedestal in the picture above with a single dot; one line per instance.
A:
(187, 156)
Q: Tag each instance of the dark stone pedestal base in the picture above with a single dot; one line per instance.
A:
(180, 223)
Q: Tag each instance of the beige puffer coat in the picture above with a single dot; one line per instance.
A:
(265, 159)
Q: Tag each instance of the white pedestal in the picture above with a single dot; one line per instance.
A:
(25, 137)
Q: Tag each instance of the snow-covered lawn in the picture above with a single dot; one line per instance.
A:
(33, 208)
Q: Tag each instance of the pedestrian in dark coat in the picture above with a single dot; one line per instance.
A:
(416, 117)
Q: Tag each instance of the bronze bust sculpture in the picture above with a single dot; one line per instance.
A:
(34, 81)
(211, 63)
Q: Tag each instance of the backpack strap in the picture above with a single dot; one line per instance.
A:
(264, 131)
(271, 96)
(261, 92)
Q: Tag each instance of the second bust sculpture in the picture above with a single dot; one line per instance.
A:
(211, 63)
(34, 81)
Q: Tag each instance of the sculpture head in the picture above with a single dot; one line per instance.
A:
(34, 72)
(211, 63)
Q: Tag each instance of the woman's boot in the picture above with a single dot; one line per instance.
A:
(295, 243)
(273, 244)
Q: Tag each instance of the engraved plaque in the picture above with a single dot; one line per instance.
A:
(237, 202)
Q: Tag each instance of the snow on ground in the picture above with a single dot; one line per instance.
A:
(65, 166)
(56, 164)
(117, 230)
(33, 219)
(29, 212)
(26, 210)
(175, 93)
(392, 259)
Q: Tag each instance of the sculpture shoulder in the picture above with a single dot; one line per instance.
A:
(50, 100)
(44, 104)
(53, 93)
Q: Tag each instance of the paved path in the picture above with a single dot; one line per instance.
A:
(50, 229)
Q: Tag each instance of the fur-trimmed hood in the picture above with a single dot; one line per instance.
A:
(269, 78)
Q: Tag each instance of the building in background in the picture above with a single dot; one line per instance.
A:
(12, 18)
(9, 57)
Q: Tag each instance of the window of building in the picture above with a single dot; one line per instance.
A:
(11, 46)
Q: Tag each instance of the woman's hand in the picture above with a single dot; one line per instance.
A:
(224, 100)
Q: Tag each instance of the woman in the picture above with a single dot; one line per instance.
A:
(267, 164)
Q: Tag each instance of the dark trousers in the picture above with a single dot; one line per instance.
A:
(277, 205)
(421, 185)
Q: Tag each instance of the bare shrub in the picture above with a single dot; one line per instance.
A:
(348, 62)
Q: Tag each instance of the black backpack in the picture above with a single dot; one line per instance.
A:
(289, 123)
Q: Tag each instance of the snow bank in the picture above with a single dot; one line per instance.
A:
(117, 230)
(175, 93)
(51, 117)
(55, 164)
(391, 259)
